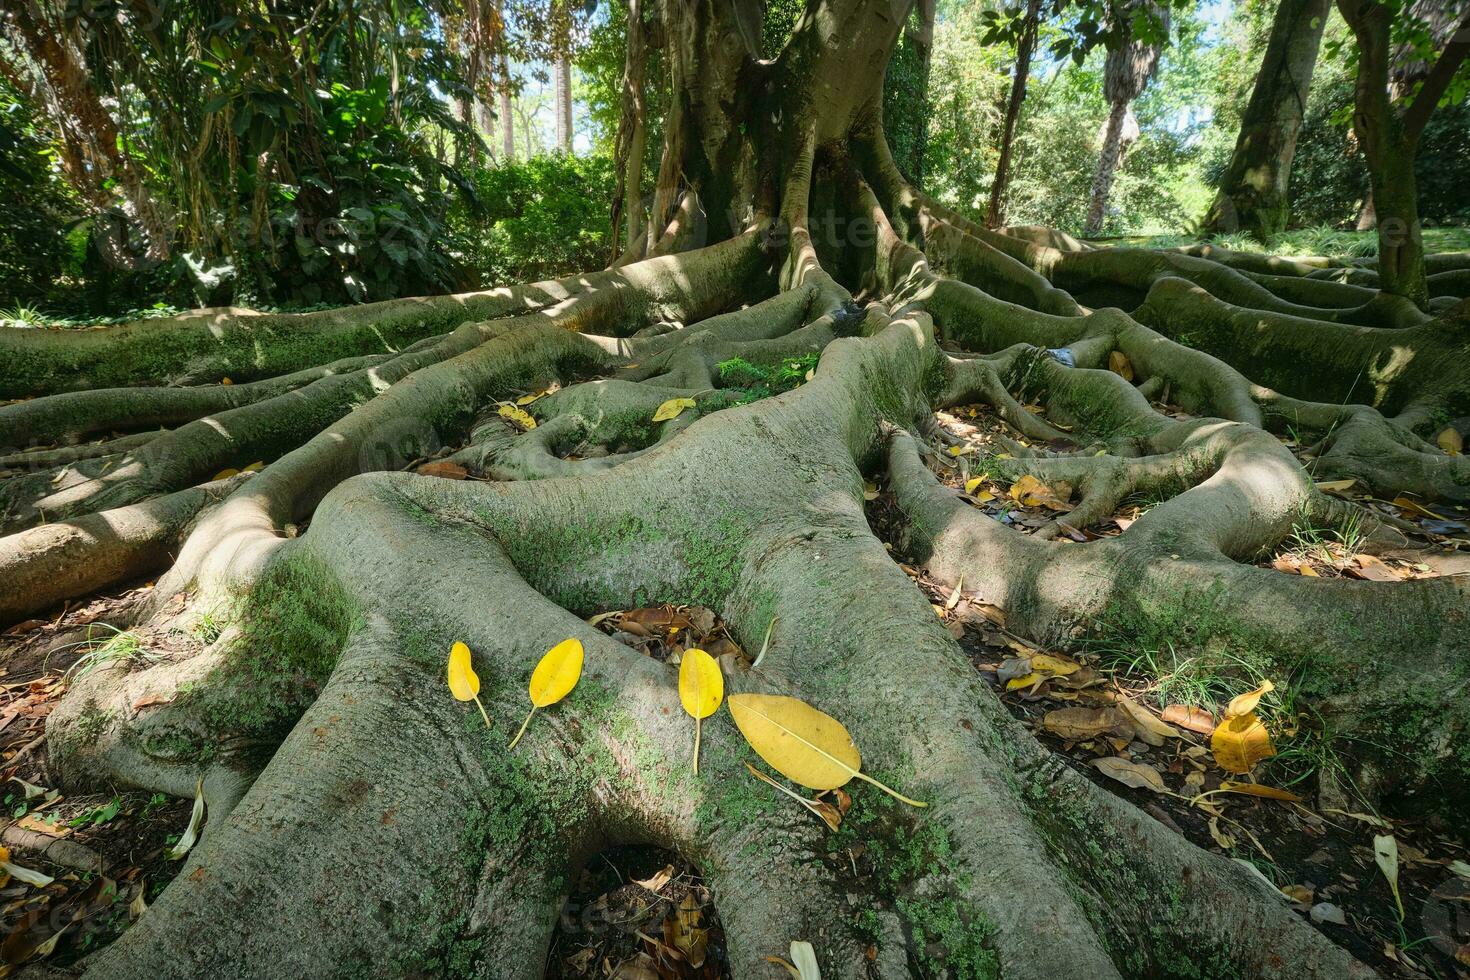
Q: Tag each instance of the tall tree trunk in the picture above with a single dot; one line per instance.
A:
(1253, 190)
(632, 137)
(562, 72)
(1114, 144)
(1390, 134)
(507, 114)
(1025, 45)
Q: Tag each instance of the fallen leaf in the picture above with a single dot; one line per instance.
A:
(1187, 716)
(1256, 789)
(689, 937)
(1336, 486)
(1056, 666)
(225, 474)
(1301, 894)
(553, 679)
(672, 409)
(464, 683)
(1119, 364)
(1244, 704)
(825, 812)
(803, 744)
(660, 878)
(8, 871)
(1372, 569)
(1386, 856)
(805, 960)
(1450, 440)
(701, 689)
(1131, 773)
(518, 415)
(1240, 742)
(443, 469)
(1415, 509)
(191, 832)
(1080, 724)
(1150, 729)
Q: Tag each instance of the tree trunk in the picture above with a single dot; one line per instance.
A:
(1253, 190)
(1109, 159)
(1390, 136)
(994, 214)
(363, 822)
(507, 114)
(562, 72)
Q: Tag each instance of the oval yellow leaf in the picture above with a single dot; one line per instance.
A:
(519, 416)
(557, 673)
(464, 683)
(701, 685)
(226, 474)
(1450, 440)
(1244, 704)
(1240, 742)
(803, 744)
(672, 409)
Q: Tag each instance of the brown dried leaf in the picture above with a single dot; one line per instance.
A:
(1131, 773)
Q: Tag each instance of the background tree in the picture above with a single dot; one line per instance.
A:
(1024, 26)
(1253, 190)
(1137, 32)
(1390, 131)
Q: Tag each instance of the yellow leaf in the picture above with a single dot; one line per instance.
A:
(1240, 742)
(960, 450)
(701, 689)
(1119, 364)
(672, 409)
(1336, 486)
(1416, 509)
(225, 381)
(974, 483)
(464, 683)
(687, 933)
(1450, 441)
(1244, 704)
(1059, 666)
(525, 400)
(517, 415)
(254, 467)
(801, 743)
(226, 474)
(553, 679)
(1256, 789)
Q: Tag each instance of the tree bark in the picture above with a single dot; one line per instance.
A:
(1253, 190)
(1109, 158)
(1390, 137)
(995, 214)
(562, 72)
(784, 231)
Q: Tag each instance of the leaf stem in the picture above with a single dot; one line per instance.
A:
(696, 745)
(513, 741)
(893, 793)
(482, 711)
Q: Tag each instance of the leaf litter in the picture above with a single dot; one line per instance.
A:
(1311, 842)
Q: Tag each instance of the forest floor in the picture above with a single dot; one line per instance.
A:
(640, 913)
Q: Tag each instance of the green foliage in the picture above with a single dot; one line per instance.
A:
(34, 210)
(539, 219)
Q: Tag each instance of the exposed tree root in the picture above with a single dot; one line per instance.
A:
(363, 823)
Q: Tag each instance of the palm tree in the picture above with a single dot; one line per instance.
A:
(1130, 64)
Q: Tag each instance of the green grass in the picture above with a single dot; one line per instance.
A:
(114, 647)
